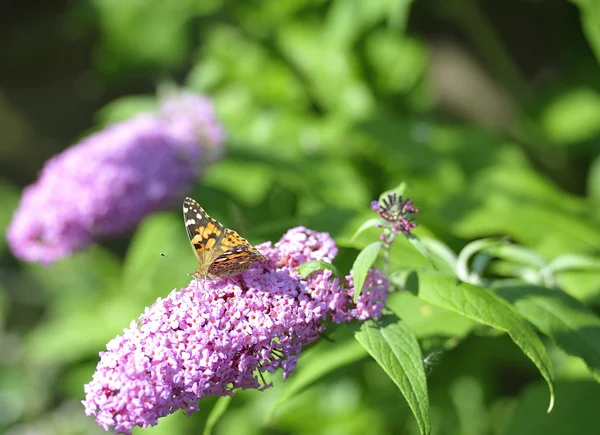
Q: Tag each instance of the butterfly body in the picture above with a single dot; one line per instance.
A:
(220, 252)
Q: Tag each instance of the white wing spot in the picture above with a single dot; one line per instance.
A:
(198, 215)
(185, 209)
(189, 222)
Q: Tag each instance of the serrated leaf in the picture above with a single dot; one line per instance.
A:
(569, 323)
(365, 259)
(395, 348)
(305, 269)
(216, 413)
(320, 361)
(368, 224)
(484, 306)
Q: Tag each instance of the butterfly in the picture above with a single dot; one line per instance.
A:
(220, 252)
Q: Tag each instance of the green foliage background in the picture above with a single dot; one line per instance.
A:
(491, 112)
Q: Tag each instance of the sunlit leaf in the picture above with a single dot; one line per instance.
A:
(428, 320)
(484, 306)
(440, 251)
(573, 117)
(365, 259)
(305, 269)
(395, 348)
(569, 323)
(416, 242)
(590, 18)
(398, 190)
(371, 223)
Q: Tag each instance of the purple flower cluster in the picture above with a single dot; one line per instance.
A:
(110, 180)
(215, 336)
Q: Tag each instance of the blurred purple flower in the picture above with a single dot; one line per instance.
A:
(216, 336)
(110, 180)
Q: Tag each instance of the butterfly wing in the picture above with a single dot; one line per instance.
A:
(238, 256)
(205, 235)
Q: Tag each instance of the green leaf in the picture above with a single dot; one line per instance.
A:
(395, 348)
(400, 278)
(441, 251)
(315, 364)
(511, 270)
(124, 108)
(549, 220)
(569, 262)
(427, 320)
(590, 19)
(582, 285)
(371, 223)
(517, 254)
(416, 242)
(9, 197)
(593, 180)
(573, 117)
(328, 69)
(160, 36)
(569, 323)
(309, 267)
(348, 19)
(365, 259)
(216, 413)
(484, 306)
(398, 190)
(397, 61)
(462, 262)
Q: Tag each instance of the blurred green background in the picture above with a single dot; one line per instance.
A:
(489, 109)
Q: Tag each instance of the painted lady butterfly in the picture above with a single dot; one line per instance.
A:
(220, 252)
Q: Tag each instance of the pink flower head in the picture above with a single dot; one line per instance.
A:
(110, 180)
(215, 336)
(397, 211)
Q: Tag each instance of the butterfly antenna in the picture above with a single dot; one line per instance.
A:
(174, 261)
